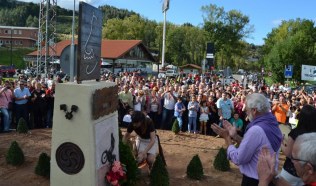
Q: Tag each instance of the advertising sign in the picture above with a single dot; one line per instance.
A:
(308, 73)
(288, 72)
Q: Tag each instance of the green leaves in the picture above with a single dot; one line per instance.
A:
(159, 175)
(43, 165)
(195, 168)
(15, 155)
(291, 43)
(221, 162)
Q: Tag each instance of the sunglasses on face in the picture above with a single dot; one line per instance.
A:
(296, 159)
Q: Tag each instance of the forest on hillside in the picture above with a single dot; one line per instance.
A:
(293, 42)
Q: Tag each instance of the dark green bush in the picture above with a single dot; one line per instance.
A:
(127, 158)
(43, 165)
(159, 175)
(175, 127)
(221, 162)
(22, 126)
(195, 168)
(120, 134)
(15, 154)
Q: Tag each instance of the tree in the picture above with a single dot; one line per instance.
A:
(293, 42)
(159, 175)
(221, 162)
(22, 127)
(175, 127)
(127, 158)
(15, 155)
(43, 165)
(195, 168)
(226, 30)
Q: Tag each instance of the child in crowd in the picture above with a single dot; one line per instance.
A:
(179, 108)
(237, 122)
(193, 107)
(203, 117)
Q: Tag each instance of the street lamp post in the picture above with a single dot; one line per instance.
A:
(165, 7)
(11, 47)
(72, 46)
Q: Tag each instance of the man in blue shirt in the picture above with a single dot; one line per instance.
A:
(225, 108)
(22, 95)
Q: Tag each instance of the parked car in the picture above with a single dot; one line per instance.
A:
(171, 73)
(240, 71)
(227, 80)
(7, 71)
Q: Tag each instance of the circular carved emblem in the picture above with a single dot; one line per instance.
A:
(69, 158)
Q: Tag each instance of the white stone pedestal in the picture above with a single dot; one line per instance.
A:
(83, 146)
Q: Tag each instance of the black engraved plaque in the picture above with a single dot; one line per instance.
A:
(104, 102)
(69, 158)
(89, 42)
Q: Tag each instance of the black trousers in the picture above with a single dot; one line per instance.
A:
(247, 181)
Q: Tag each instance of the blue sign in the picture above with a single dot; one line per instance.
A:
(288, 73)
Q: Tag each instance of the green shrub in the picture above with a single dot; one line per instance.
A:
(22, 126)
(120, 134)
(15, 154)
(175, 127)
(127, 158)
(195, 168)
(43, 165)
(221, 162)
(159, 175)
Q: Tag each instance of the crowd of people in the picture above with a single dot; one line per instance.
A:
(246, 115)
(29, 98)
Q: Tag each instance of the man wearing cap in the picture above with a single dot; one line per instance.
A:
(22, 95)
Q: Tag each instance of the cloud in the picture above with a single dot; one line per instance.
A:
(277, 22)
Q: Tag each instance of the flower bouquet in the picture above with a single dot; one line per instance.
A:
(117, 174)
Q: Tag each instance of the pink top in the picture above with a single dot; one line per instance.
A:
(5, 97)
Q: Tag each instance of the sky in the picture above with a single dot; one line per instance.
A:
(264, 15)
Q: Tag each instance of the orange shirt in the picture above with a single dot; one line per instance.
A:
(280, 114)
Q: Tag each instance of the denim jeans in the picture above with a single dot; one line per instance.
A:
(180, 122)
(49, 118)
(192, 120)
(167, 116)
(21, 111)
(6, 118)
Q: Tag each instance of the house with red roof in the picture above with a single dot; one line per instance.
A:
(121, 55)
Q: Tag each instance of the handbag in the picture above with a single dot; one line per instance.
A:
(10, 105)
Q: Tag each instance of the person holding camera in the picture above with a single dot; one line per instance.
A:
(6, 97)
(280, 109)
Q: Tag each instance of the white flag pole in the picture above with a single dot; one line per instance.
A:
(164, 40)
(165, 7)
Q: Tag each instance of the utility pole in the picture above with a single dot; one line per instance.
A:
(165, 7)
(11, 47)
(72, 47)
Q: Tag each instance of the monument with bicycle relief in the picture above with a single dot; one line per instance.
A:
(85, 130)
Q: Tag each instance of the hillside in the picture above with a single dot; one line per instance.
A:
(17, 13)
(17, 56)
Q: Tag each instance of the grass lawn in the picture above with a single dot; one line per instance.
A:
(17, 56)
